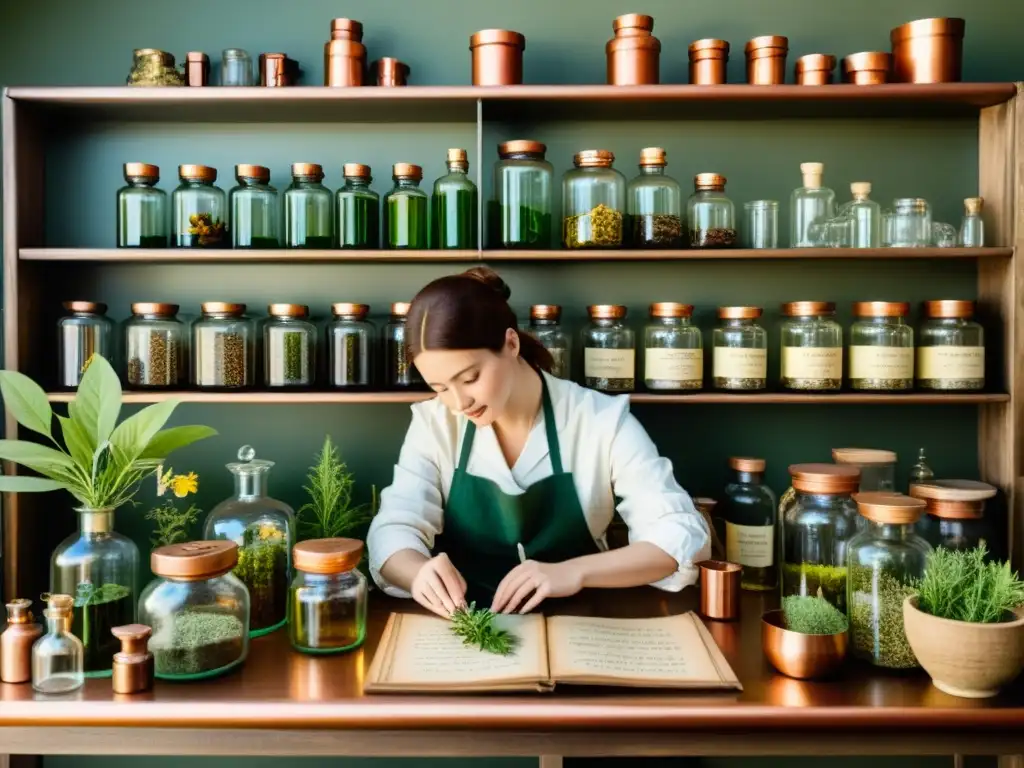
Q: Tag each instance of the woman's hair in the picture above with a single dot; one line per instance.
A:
(468, 311)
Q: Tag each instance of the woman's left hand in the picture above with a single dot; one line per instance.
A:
(536, 581)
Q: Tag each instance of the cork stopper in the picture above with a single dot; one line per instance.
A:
(973, 205)
(458, 159)
(860, 189)
(812, 173)
(58, 606)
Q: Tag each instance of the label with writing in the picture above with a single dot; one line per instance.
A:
(739, 363)
(875, 362)
(608, 363)
(950, 362)
(751, 545)
(812, 363)
(674, 364)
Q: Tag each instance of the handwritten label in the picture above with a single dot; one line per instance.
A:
(875, 362)
(738, 363)
(812, 363)
(674, 364)
(609, 363)
(950, 362)
(751, 545)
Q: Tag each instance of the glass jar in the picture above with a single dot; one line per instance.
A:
(308, 207)
(222, 347)
(264, 530)
(155, 347)
(609, 350)
(815, 528)
(911, 223)
(762, 224)
(866, 215)
(358, 210)
(327, 598)
(593, 201)
(57, 656)
(809, 205)
(519, 214)
(289, 346)
(749, 511)
(954, 513)
(654, 204)
(877, 467)
(350, 338)
(950, 348)
(972, 228)
(739, 361)
(141, 208)
(255, 209)
(673, 349)
(87, 331)
(885, 561)
(236, 67)
(710, 214)
(812, 347)
(200, 209)
(545, 326)
(454, 206)
(881, 347)
(198, 610)
(405, 209)
(399, 371)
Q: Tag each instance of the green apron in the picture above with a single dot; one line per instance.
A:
(483, 525)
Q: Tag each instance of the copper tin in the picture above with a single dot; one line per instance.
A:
(141, 171)
(194, 560)
(545, 311)
(400, 309)
(719, 590)
(652, 156)
(593, 158)
(326, 556)
(815, 69)
(633, 25)
(863, 456)
(889, 508)
(766, 60)
(497, 57)
(344, 63)
(157, 308)
(747, 464)
(356, 171)
(825, 479)
(222, 308)
(808, 308)
(346, 29)
(390, 73)
(273, 68)
(16, 642)
(794, 654)
(133, 664)
(521, 147)
(341, 308)
(950, 308)
(197, 172)
(307, 169)
(928, 51)
(406, 171)
(881, 308)
(708, 60)
(709, 181)
(606, 311)
(671, 309)
(633, 60)
(197, 68)
(867, 68)
(93, 307)
(247, 171)
(739, 313)
(288, 310)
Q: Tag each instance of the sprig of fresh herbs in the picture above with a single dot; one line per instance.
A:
(812, 615)
(476, 628)
(964, 586)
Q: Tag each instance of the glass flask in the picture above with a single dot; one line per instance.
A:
(85, 332)
(223, 347)
(141, 208)
(950, 348)
(866, 215)
(308, 207)
(749, 512)
(327, 598)
(911, 224)
(519, 214)
(761, 224)
(454, 206)
(350, 339)
(609, 350)
(710, 215)
(809, 204)
(654, 204)
(972, 228)
(99, 568)
(264, 530)
(920, 472)
(814, 530)
(739, 355)
(812, 347)
(881, 347)
(199, 209)
(405, 209)
(885, 561)
(236, 68)
(399, 371)
(944, 235)
(155, 347)
(57, 656)
(255, 209)
(593, 201)
(954, 513)
(545, 326)
(198, 610)
(673, 349)
(358, 209)
(289, 346)
(877, 467)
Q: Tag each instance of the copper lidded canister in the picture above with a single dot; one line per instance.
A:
(273, 69)
(497, 57)
(928, 51)
(389, 72)
(197, 68)
(815, 69)
(766, 60)
(133, 665)
(867, 68)
(708, 60)
(633, 54)
(16, 642)
(825, 479)
(344, 63)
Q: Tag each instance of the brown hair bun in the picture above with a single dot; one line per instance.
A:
(491, 279)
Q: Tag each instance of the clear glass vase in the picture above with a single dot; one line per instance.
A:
(57, 656)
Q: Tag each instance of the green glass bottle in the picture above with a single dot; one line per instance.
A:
(453, 221)
(358, 209)
(405, 209)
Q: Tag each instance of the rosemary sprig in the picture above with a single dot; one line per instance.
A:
(476, 628)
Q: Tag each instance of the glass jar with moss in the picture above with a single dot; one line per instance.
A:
(308, 209)
(609, 350)
(453, 210)
(264, 530)
(812, 347)
(881, 347)
(739, 361)
(405, 209)
(593, 201)
(141, 208)
(519, 214)
(289, 346)
(255, 209)
(673, 349)
(199, 209)
(358, 209)
(954, 513)
(327, 598)
(950, 348)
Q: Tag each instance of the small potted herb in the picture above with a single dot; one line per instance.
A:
(807, 638)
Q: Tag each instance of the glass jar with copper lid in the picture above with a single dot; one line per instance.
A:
(406, 209)
(199, 209)
(739, 361)
(749, 512)
(85, 331)
(710, 214)
(453, 210)
(255, 209)
(593, 201)
(812, 347)
(358, 209)
(289, 346)
(881, 347)
(308, 209)
(545, 326)
(198, 610)
(954, 513)
(399, 371)
(327, 597)
(141, 208)
(223, 347)
(609, 350)
(519, 214)
(350, 340)
(156, 347)
(654, 204)
(885, 561)
(673, 349)
(950, 347)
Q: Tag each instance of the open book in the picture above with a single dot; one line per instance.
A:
(419, 653)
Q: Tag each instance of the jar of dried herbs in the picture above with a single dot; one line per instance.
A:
(327, 597)
(155, 347)
(199, 209)
(289, 346)
(950, 348)
(739, 361)
(545, 326)
(593, 201)
(954, 513)
(884, 562)
(358, 209)
(255, 209)
(85, 331)
(350, 339)
(673, 349)
(223, 347)
(399, 371)
(141, 208)
(881, 347)
(812, 347)
(519, 214)
(405, 209)
(654, 204)
(308, 209)
(609, 350)
(710, 214)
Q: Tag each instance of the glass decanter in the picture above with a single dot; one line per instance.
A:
(57, 656)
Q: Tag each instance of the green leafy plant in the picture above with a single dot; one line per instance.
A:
(963, 586)
(812, 615)
(100, 462)
(329, 511)
(476, 628)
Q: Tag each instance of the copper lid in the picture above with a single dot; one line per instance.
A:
(222, 308)
(971, 204)
(400, 309)
(629, 21)
(881, 308)
(346, 29)
(871, 61)
(890, 508)
(709, 181)
(247, 171)
(348, 308)
(739, 313)
(18, 611)
(497, 37)
(194, 560)
(356, 171)
(545, 311)
(141, 170)
(287, 310)
(766, 41)
(671, 309)
(708, 44)
(307, 169)
(406, 171)
(327, 555)
(606, 311)
(457, 157)
(808, 308)
(949, 308)
(863, 456)
(593, 158)
(521, 147)
(154, 308)
(814, 62)
(652, 156)
(953, 490)
(928, 28)
(826, 479)
(197, 172)
(746, 464)
(93, 307)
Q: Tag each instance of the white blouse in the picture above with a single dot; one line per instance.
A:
(603, 445)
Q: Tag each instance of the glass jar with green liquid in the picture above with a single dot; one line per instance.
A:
(255, 209)
(308, 206)
(454, 210)
(358, 209)
(405, 209)
(141, 208)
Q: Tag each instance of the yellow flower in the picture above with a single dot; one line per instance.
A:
(183, 485)
(163, 479)
(268, 532)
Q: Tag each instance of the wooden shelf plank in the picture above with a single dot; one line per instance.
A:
(227, 256)
(747, 253)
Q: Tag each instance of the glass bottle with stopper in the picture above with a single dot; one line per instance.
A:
(750, 524)
(810, 204)
(453, 221)
(972, 228)
(866, 215)
(58, 657)
(955, 510)
(921, 472)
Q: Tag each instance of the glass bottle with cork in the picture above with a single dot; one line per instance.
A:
(222, 347)
(405, 209)
(954, 516)
(399, 370)
(739, 361)
(141, 208)
(308, 209)
(593, 201)
(16, 642)
(812, 347)
(673, 349)
(350, 339)
(255, 209)
(609, 350)
(520, 211)
(199, 209)
(358, 209)
(749, 512)
(950, 348)
(972, 227)
(710, 214)
(545, 326)
(654, 204)
(85, 331)
(866, 215)
(881, 347)
(453, 221)
(155, 347)
(920, 472)
(58, 656)
(810, 204)
(289, 346)
(327, 597)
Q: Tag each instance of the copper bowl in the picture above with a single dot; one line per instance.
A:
(806, 657)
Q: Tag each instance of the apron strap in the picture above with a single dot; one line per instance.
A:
(467, 446)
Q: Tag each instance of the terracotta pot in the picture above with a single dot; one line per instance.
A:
(969, 660)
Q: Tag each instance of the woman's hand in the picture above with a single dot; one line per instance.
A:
(536, 581)
(439, 587)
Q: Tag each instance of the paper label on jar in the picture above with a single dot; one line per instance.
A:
(750, 545)
(812, 363)
(950, 362)
(739, 363)
(875, 362)
(674, 365)
(608, 363)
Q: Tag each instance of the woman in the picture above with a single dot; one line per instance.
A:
(507, 480)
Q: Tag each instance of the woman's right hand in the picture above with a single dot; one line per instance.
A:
(439, 587)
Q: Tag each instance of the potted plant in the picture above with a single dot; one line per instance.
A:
(807, 638)
(966, 623)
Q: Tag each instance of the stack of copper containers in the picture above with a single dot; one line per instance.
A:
(766, 60)
(633, 54)
(497, 57)
(928, 51)
(344, 54)
(708, 60)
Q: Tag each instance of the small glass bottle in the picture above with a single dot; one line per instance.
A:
(761, 224)
(654, 204)
(358, 210)
(954, 513)
(399, 371)
(155, 347)
(350, 339)
(223, 347)
(327, 597)
(710, 215)
(453, 221)
(289, 346)
(866, 215)
(308, 207)
(810, 204)
(812, 347)
(545, 326)
(141, 208)
(673, 349)
(406, 209)
(877, 467)
(57, 656)
(200, 209)
(609, 350)
(593, 201)
(881, 347)
(739, 361)
(920, 473)
(749, 511)
(236, 67)
(255, 209)
(519, 214)
(85, 332)
(972, 228)
(911, 223)
(950, 348)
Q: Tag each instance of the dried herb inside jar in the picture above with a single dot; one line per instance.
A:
(952, 385)
(740, 384)
(876, 618)
(812, 384)
(656, 230)
(517, 226)
(882, 385)
(601, 227)
(204, 231)
(197, 644)
(229, 360)
(714, 237)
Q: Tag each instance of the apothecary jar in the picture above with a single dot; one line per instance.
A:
(546, 327)
(85, 331)
(812, 347)
(609, 350)
(255, 209)
(350, 339)
(881, 347)
(519, 214)
(141, 208)
(199, 209)
(739, 359)
(358, 209)
(673, 349)
(950, 348)
(710, 214)
(399, 370)
(327, 597)
(289, 346)
(223, 347)
(654, 205)
(155, 347)
(308, 209)
(954, 513)
(593, 201)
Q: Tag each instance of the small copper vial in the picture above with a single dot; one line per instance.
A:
(197, 68)
(497, 57)
(766, 60)
(708, 61)
(390, 73)
(133, 664)
(16, 642)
